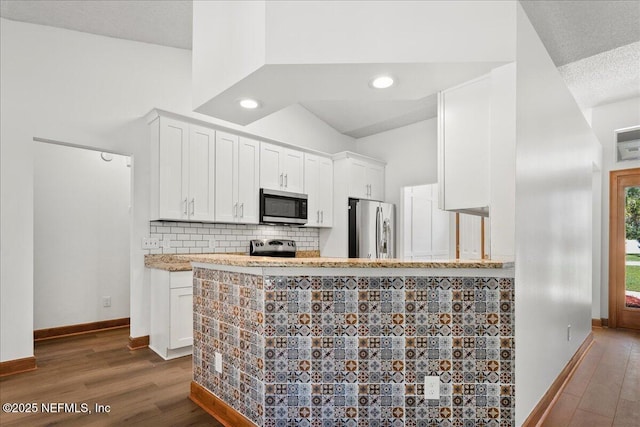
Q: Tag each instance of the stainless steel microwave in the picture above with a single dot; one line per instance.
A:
(282, 207)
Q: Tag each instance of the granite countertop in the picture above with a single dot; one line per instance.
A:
(247, 261)
(171, 262)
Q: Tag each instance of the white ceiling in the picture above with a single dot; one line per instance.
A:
(594, 43)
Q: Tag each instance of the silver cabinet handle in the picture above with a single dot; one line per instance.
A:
(193, 206)
(322, 217)
(317, 216)
(185, 206)
(235, 210)
(281, 180)
(286, 180)
(241, 210)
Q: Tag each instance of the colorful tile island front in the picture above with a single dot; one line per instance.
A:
(328, 351)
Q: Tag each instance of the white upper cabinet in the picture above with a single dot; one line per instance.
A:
(366, 179)
(237, 179)
(182, 157)
(226, 174)
(281, 168)
(318, 185)
(464, 146)
(249, 180)
(201, 160)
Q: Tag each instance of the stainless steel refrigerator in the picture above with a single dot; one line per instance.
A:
(371, 229)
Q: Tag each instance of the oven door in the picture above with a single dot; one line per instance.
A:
(281, 207)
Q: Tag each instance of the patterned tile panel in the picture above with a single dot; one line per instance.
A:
(354, 351)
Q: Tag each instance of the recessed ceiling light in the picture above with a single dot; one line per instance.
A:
(382, 82)
(249, 104)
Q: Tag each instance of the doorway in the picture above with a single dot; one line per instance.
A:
(82, 200)
(624, 249)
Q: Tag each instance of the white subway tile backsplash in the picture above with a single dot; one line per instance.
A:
(186, 237)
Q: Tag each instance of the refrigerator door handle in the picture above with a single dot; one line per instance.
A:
(378, 232)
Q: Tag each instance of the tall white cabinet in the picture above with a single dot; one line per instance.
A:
(318, 185)
(182, 167)
(237, 179)
(281, 168)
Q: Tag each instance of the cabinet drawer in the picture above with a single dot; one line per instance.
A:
(181, 279)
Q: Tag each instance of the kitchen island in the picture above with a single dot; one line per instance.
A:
(348, 342)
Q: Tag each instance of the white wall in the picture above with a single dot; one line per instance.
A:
(94, 91)
(553, 224)
(501, 225)
(81, 239)
(410, 153)
(605, 119)
(296, 125)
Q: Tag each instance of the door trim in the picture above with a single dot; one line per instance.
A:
(617, 247)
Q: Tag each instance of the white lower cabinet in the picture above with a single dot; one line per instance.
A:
(171, 313)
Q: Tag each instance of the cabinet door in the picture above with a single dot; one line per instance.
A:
(271, 168)
(226, 177)
(293, 171)
(375, 179)
(174, 163)
(358, 185)
(470, 236)
(311, 174)
(325, 191)
(201, 169)
(181, 318)
(463, 145)
(248, 181)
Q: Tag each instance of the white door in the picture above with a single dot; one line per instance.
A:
(325, 191)
(293, 171)
(470, 237)
(226, 173)
(311, 173)
(201, 168)
(248, 180)
(426, 228)
(174, 163)
(181, 317)
(271, 167)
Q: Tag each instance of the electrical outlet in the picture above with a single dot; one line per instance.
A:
(212, 243)
(218, 362)
(150, 243)
(432, 387)
(569, 333)
(166, 243)
(106, 301)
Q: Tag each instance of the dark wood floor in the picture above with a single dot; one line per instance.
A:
(604, 391)
(140, 387)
